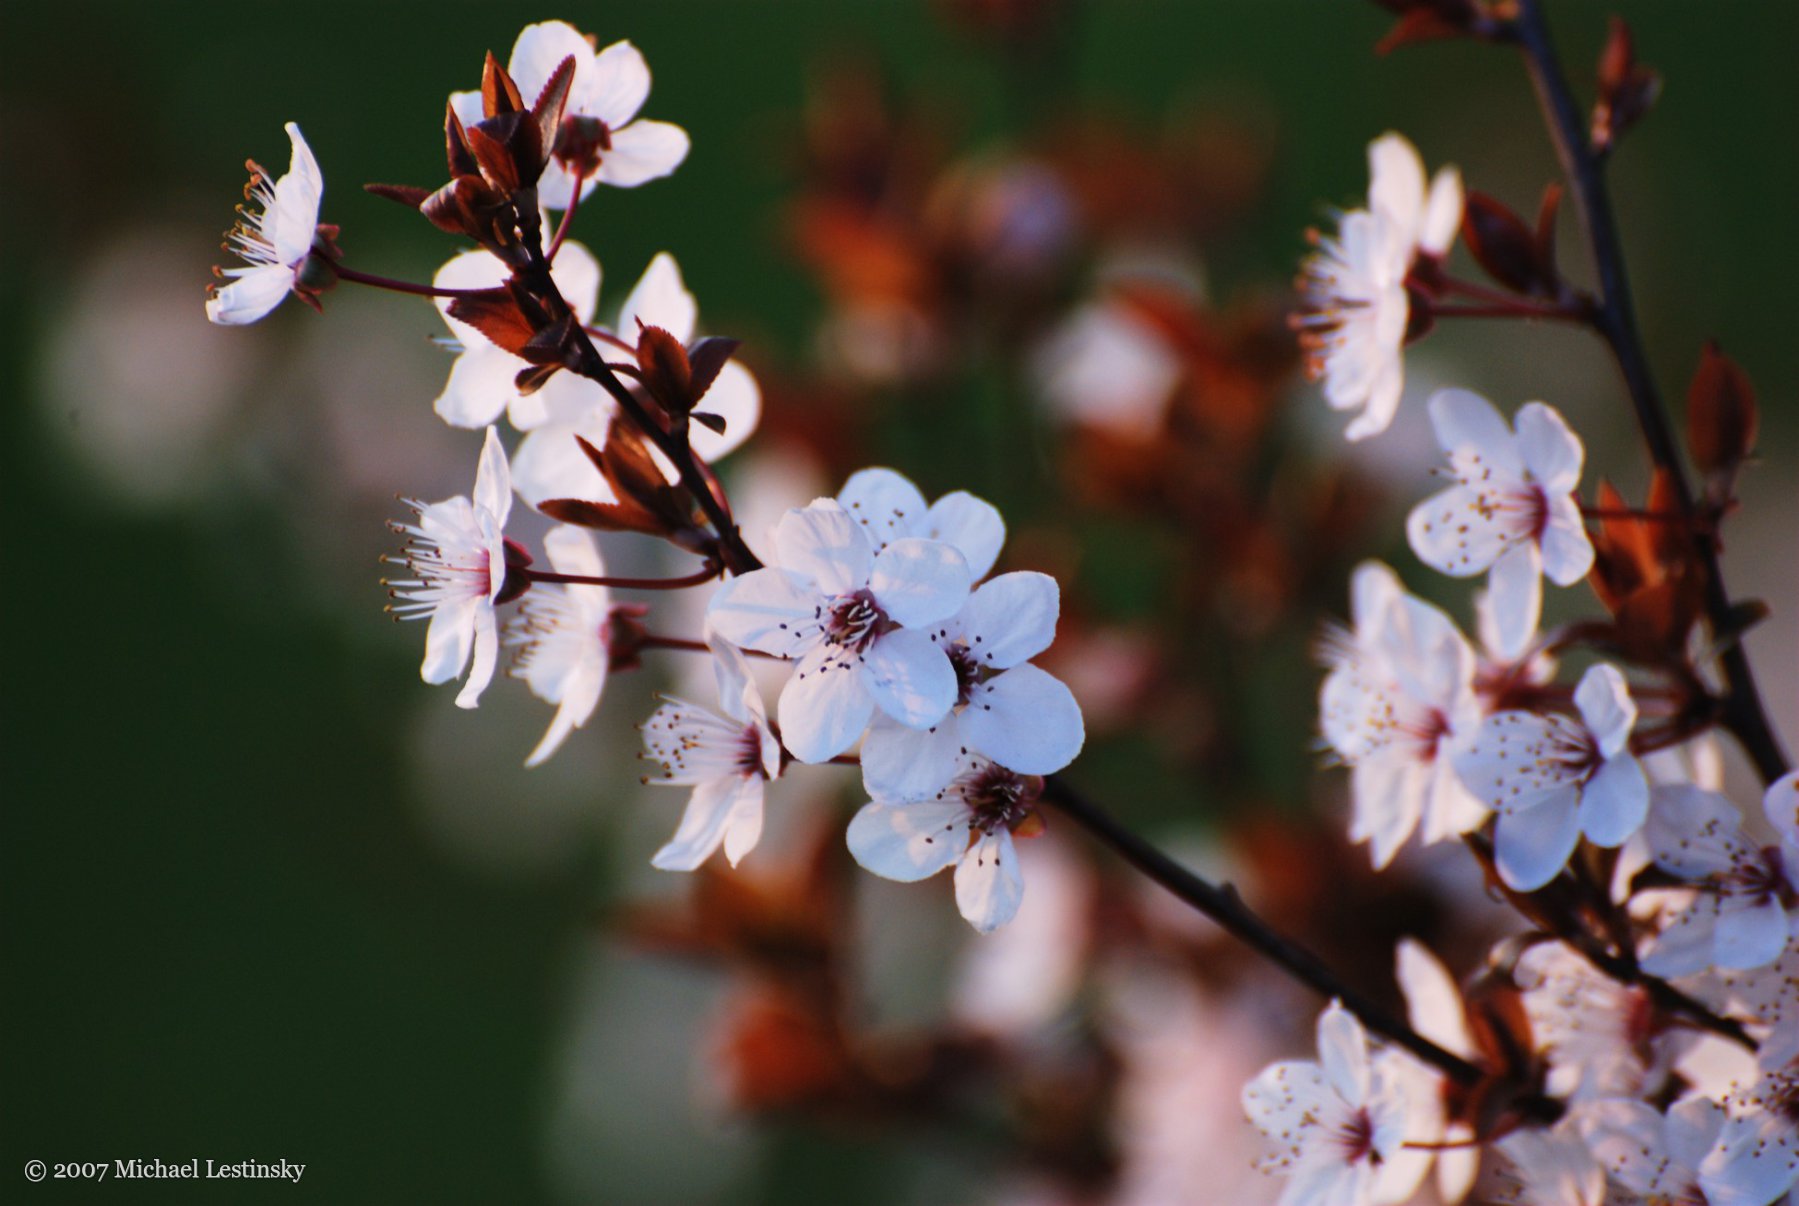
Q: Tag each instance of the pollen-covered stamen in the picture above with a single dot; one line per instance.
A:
(1758, 875)
(451, 566)
(248, 237)
(695, 744)
(996, 797)
(581, 142)
(968, 668)
(853, 621)
(547, 629)
(1355, 1138)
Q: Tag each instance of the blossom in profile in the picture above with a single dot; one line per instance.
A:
(727, 759)
(1511, 510)
(483, 378)
(1357, 311)
(1340, 1124)
(1554, 778)
(968, 822)
(457, 550)
(274, 244)
(560, 636)
(855, 621)
(1398, 706)
(601, 140)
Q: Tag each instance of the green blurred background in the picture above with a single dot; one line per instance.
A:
(253, 907)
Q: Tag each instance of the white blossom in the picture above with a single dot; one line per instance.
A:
(1652, 1154)
(728, 760)
(1601, 1038)
(969, 822)
(1553, 779)
(889, 506)
(274, 243)
(457, 549)
(1511, 510)
(1398, 706)
(560, 634)
(1756, 1156)
(1340, 1124)
(608, 89)
(1357, 310)
(855, 621)
(1435, 1009)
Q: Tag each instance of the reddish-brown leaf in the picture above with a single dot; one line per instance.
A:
(498, 93)
(1504, 246)
(496, 314)
(411, 196)
(1721, 414)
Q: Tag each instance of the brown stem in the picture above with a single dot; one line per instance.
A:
(394, 286)
(1221, 903)
(1615, 319)
(562, 227)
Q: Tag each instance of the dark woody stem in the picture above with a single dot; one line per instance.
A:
(568, 220)
(1614, 318)
(394, 286)
(697, 578)
(1221, 903)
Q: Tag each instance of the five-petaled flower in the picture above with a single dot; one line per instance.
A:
(275, 244)
(854, 620)
(599, 141)
(560, 635)
(728, 760)
(458, 550)
(1512, 508)
(1553, 778)
(969, 822)
(1357, 310)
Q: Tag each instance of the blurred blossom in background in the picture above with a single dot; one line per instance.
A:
(268, 898)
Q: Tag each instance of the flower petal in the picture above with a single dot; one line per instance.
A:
(1442, 212)
(480, 387)
(772, 610)
(1567, 549)
(293, 217)
(1515, 597)
(1026, 720)
(1551, 450)
(918, 581)
(1456, 533)
(1433, 1001)
(1615, 802)
(1753, 936)
(910, 678)
(825, 706)
(448, 641)
(540, 49)
(1396, 181)
(659, 299)
(251, 295)
(622, 84)
(1606, 708)
(493, 482)
(972, 524)
(743, 827)
(909, 842)
(1780, 804)
(1009, 619)
(989, 885)
(885, 503)
(702, 826)
(1532, 845)
(643, 151)
(1467, 423)
(487, 653)
(580, 692)
(822, 543)
(1388, 792)
(901, 763)
(737, 399)
(1343, 1053)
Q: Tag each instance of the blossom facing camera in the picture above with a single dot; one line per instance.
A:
(728, 759)
(276, 244)
(1511, 512)
(1357, 311)
(458, 550)
(600, 140)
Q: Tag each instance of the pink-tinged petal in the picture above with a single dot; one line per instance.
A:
(1515, 594)
(737, 693)
(622, 84)
(743, 827)
(448, 641)
(1780, 804)
(1386, 383)
(1026, 720)
(493, 482)
(1693, 833)
(1606, 708)
(550, 464)
(643, 151)
(1327, 1181)
(823, 543)
(251, 295)
(825, 706)
(1442, 212)
(1550, 449)
(1432, 1000)
(1567, 550)
(702, 827)
(1753, 1162)
(1450, 809)
(487, 654)
(480, 387)
(1752, 936)
(771, 610)
(909, 842)
(1467, 425)
(577, 276)
(1388, 792)
(910, 678)
(972, 524)
(659, 299)
(467, 106)
(293, 217)
(580, 693)
(1396, 181)
(1692, 1129)
(1627, 1137)
(916, 581)
(557, 186)
(1532, 845)
(540, 49)
(1372, 589)
(900, 763)
(1455, 533)
(885, 503)
(1686, 943)
(1343, 1053)
(1010, 619)
(989, 884)
(1615, 802)
(1288, 1097)
(1428, 654)
(737, 399)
